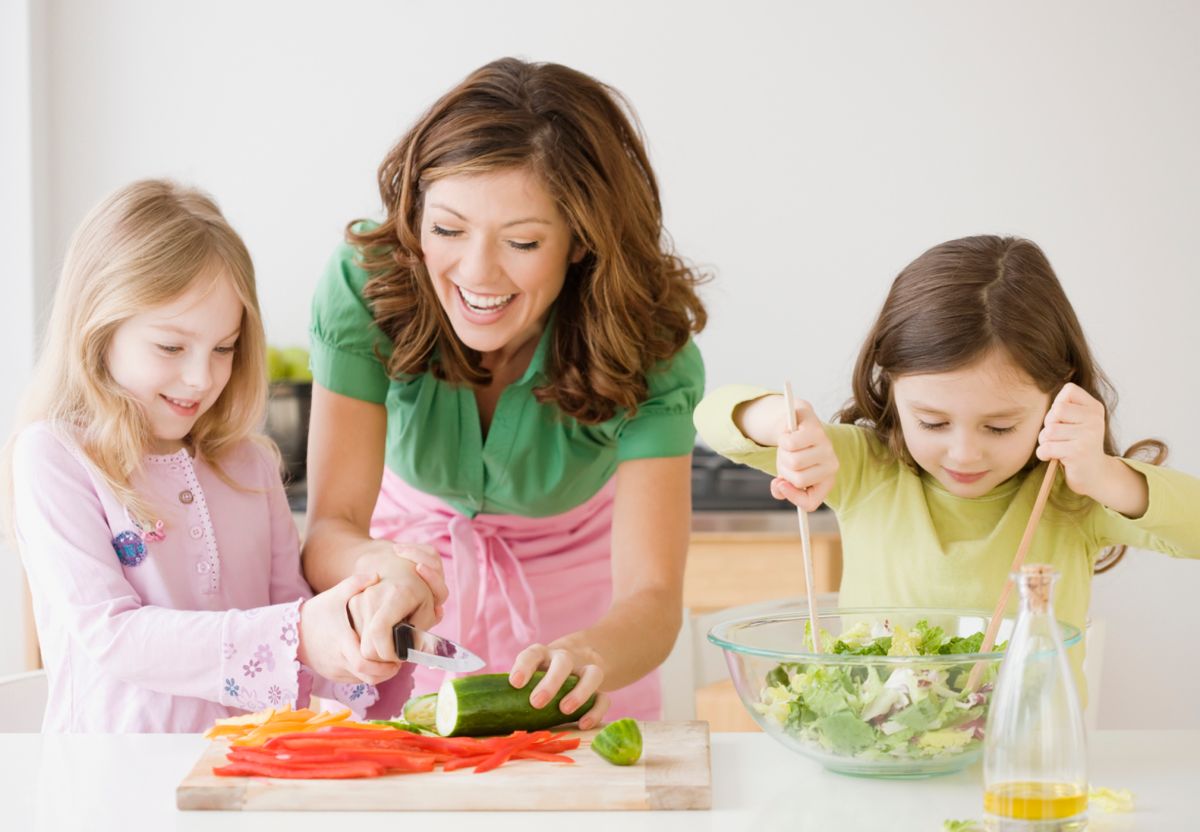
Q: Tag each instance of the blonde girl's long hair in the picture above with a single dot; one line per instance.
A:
(956, 302)
(142, 247)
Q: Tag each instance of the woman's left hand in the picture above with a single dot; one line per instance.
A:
(1074, 434)
(559, 663)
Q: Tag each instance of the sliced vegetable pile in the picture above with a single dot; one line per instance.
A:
(879, 712)
(338, 752)
(437, 729)
(258, 727)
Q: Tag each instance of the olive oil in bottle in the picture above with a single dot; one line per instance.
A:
(1035, 751)
(1035, 801)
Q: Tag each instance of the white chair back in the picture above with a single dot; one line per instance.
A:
(22, 702)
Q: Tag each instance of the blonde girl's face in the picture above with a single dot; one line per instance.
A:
(971, 428)
(177, 358)
(497, 249)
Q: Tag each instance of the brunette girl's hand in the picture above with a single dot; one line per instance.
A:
(412, 588)
(805, 463)
(559, 663)
(328, 646)
(1073, 434)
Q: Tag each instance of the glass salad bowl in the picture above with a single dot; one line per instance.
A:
(884, 698)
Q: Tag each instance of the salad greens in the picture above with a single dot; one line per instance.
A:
(876, 711)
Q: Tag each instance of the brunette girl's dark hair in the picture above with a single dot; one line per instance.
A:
(957, 302)
(629, 303)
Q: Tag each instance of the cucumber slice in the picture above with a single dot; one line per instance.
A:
(487, 705)
(619, 742)
(405, 726)
(421, 710)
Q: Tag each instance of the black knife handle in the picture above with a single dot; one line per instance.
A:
(402, 637)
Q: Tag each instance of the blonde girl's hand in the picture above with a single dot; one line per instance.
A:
(559, 663)
(805, 462)
(1073, 433)
(328, 646)
(411, 588)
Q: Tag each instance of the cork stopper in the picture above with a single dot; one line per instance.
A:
(1037, 581)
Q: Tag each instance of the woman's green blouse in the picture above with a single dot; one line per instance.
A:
(535, 461)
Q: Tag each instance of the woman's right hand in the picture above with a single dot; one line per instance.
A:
(412, 587)
(805, 463)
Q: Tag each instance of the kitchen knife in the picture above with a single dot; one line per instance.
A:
(421, 647)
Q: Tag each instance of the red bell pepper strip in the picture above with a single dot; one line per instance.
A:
(340, 771)
(558, 746)
(464, 762)
(510, 745)
(247, 754)
(530, 754)
(393, 760)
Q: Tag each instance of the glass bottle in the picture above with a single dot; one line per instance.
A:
(1035, 749)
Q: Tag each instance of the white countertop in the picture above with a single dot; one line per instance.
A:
(127, 783)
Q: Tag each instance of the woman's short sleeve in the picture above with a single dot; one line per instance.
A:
(347, 346)
(662, 425)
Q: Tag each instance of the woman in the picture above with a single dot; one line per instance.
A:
(504, 373)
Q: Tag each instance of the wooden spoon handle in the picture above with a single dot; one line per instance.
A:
(805, 540)
(1039, 505)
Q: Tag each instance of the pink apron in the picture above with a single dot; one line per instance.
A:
(514, 581)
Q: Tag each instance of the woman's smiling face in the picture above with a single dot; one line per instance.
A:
(497, 250)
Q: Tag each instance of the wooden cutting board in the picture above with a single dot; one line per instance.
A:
(674, 773)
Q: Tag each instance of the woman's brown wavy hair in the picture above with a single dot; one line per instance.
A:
(955, 303)
(628, 304)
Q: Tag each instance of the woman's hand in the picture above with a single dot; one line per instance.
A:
(328, 646)
(1074, 435)
(559, 663)
(412, 587)
(805, 463)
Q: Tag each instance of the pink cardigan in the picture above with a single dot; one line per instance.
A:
(141, 634)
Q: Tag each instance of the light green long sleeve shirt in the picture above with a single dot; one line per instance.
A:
(908, 542)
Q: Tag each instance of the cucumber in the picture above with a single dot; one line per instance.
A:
(405, 726)
(421, 711)
(487, 705)
(620, 742)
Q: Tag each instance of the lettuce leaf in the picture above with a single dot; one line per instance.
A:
(844, 733)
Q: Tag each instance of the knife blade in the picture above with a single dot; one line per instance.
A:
(425, 648)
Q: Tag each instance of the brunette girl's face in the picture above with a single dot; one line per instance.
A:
(971, 428)
(177, 358)
(497, 249)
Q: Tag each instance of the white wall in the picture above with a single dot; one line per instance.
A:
(19, 112)
(806, 153)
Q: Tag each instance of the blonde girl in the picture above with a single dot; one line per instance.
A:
(975, 374)
(148, 511)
